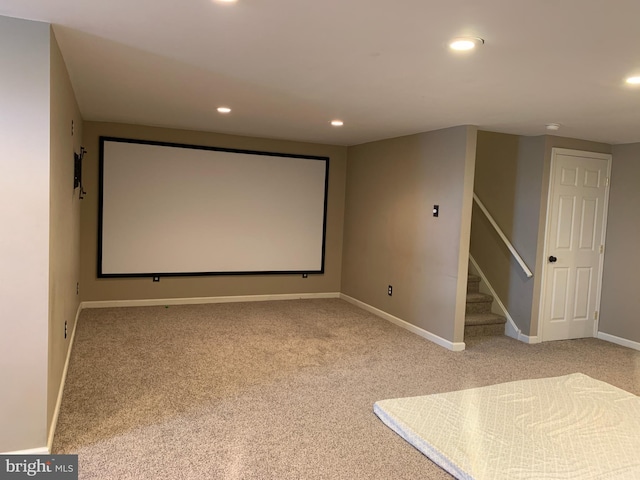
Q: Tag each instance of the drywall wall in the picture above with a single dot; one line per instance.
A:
(508, 181)
(620, 302)
(64, 232)
(94, 289)
(391, 237)
(24, 243)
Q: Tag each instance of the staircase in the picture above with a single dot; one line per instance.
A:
(479, 321)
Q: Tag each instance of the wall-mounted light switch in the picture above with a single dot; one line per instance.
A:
(436, 210)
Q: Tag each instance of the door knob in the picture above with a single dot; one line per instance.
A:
(552, 259)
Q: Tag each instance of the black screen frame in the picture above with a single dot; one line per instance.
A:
(101, 274)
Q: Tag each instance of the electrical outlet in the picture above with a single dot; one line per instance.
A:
(77, 288)
(156, 278)
(390, 290)
(65, 329)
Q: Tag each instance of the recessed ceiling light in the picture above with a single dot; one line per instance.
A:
(224, 109)
(337, 123)
(465, 43)
(554, 127)
(226, 1)
(633, 80)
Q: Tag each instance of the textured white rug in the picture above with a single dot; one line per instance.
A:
(570, 427)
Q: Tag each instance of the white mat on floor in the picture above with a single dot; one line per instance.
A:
(570, 427)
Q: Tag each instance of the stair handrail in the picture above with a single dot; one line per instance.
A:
(503, 237)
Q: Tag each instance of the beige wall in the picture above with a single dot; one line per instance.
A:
(620, 299)
(391, 237)
(508, 181)
(24, 243)
(94, 289)
(496, 174)
(495, 186)
(64, 233)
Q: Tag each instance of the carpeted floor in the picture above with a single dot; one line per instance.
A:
(276, 390)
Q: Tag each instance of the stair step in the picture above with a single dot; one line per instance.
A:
(473, 283)
(495, 330)
(478, 303)
(484, 319)
(483, 325)
(478, 297)
(479, 321)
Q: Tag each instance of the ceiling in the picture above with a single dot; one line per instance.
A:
(289, 67)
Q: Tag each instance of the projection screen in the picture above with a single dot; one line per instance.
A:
(173, 209)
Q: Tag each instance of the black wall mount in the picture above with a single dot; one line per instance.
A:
(77, 171)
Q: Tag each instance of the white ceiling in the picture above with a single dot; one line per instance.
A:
(288, 67)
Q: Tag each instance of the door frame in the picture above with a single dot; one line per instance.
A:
(578, 153)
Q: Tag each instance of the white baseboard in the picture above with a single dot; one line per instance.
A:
(454, 346)
(529, 339)
(31, 451)
(619, 341)
(56, 412)
(200, 300)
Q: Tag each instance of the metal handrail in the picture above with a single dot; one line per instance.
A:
(503, 237)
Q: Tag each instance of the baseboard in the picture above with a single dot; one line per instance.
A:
(31, 451)
(619, 341)
(454, 346)
(56, 412)
(200, 300)
(529, 339)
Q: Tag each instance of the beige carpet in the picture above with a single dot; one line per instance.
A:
(281, 390)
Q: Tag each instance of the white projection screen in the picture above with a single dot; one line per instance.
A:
(172, 210)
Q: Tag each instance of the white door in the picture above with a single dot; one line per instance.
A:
(577, 209)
